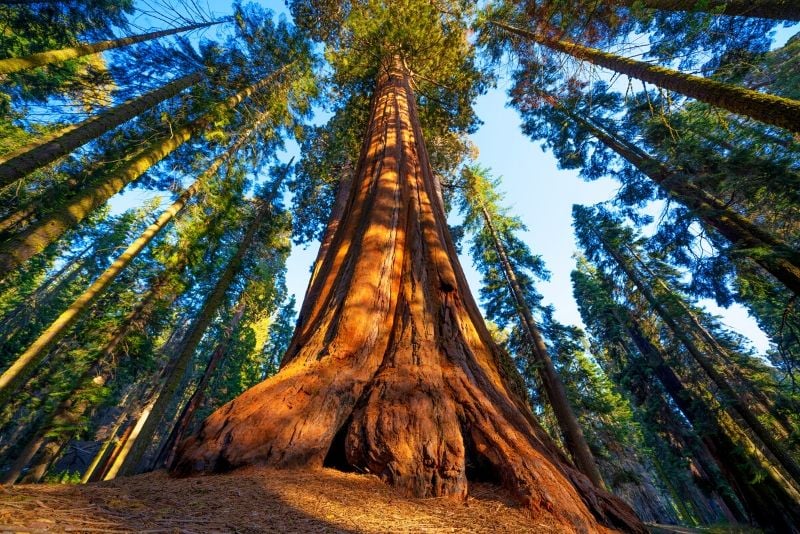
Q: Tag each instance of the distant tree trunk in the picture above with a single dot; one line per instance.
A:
(14, 376)
(770, 109)
(766, 9)
(50, 227)
(16, 64)
(554, 389)
(776, 453)
(180, 363)
(125, 445)
(25, 455)
(47, 455)
(772, 501)
(42, 442)
(168, 450)
(14, 320)
(106, 447)
(27, 159)
(69, 412)
(25, 213)
(703, 495)
(392, 369)
(782, 261)
(729, 366)
(116, 447)
(136, 318)
(694, 409)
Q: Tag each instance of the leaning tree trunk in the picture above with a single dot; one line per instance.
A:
(94, 470)
(765, 9)
(769, 109)
(752, 393)
(16, 64)
(14, 376)
(781, 260)
(167, 454)
(49, 148)
(785, 468)
(392, 369)
(554, 389)
(50, 227)
(78, 402)
(180, 364)
(731, 449)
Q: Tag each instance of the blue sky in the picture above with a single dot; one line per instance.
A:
(536, 190)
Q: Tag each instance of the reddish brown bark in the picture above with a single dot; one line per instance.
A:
(391, 369)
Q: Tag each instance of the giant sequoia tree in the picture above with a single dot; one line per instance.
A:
(154, 353)
(391, 369)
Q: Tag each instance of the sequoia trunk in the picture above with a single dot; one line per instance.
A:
(391, 369)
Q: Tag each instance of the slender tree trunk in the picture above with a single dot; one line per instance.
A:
(111, 449)
(724, 442)
(766, 9)
(68, 413)
(15, 375)
(782, 261)
(35, 238)
(694, 409)
(554, 388)
(24, 214)
(180, 363)
(106, 448)
(25, 456)
(769, 109)
(139, 315)
(777, 452)
(392, 369)
(103, 473)
(731, 368)
(678, 434)
(124, 447)
(42, 297)
(16, 64)
(168, 450)
(27, 159)
(48, 453)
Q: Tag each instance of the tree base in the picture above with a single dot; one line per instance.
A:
(428, 430)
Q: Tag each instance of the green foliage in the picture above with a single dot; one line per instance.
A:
(63, 477)
(47, 26)
(476, 192)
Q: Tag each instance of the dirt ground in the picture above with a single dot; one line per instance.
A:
(256, 500)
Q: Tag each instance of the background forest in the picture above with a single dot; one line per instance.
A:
(168, 169)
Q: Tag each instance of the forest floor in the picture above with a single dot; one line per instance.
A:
(256, 500)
